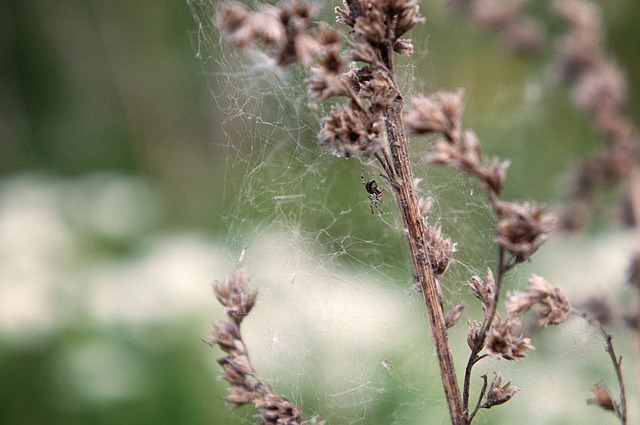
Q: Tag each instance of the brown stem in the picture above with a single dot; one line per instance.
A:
(488, 320)
(621, 409)
(401, 180)
(478, 404)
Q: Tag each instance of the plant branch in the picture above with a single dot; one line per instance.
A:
(478, 404)
(621, 407)
(488, 320)
(416, 233)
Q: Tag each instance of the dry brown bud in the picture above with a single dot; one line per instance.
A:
(522, 228)
(601, 397)
(372, 24)
(498, 393)
(403, 46)
(483, 289)
(234, 296)
(505, 340)
(474, 336)
(323, 84)
(438, 113)
(408, 17)
(451, 318)
(440, 250)
(552, 304)
(225, 334)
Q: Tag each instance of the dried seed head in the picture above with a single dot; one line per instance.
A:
(277, 410)
(440, 250)
(323, 84)
(483, 289)
(382, 89)
(225, 334)
(498, 393)
(451, 318)
(552, 304)
(344, 130)
(518, 304)
(348, 130)
(403, 46)
(232, 293)
(474, 335)
(438, 113)
(505, 340)
(601, 397)
(372, 24)
(283, 30)
(601, 88)
(522, 228)
(408, 17)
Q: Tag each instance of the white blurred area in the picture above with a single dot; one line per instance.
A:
(53, 274)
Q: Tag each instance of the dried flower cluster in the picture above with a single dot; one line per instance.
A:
(552, 304)
(244, 385)
(484, 289)
(282, 30)
(506, 18)
(498, 393)
(506, 341)
(600, 89)
(522, 228)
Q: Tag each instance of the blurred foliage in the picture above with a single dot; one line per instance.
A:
(91, 87)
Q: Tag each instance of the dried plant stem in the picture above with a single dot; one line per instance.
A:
(621, 408)
(480, 397)
(401, 180)
(488, 320)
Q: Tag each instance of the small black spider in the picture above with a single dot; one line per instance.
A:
(375, 193)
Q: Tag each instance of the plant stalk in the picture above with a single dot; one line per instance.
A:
(401, 181)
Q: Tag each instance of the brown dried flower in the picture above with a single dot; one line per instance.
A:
(371, 24)
(244, 385)
(483, 289)
(232, 293)
(451, 318)
(283, 30)
(522, 228)
(474, 335)
(602, 397)
(438, 113)
(403, 46)
(441, 250)
(505, 340)
(348, 130)
(498, 393)
(552, 304)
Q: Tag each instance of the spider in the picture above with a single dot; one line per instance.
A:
(374, 191)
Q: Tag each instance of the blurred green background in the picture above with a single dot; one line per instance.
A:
(125, 187)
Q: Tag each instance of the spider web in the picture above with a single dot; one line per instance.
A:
(336, 312)
(337, 325)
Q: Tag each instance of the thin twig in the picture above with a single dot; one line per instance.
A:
(480, 397)
(621, 408)
(486, 324)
